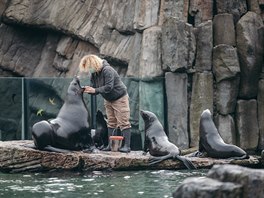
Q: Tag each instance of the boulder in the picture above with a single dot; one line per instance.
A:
(121, 16)
(178, 45)
(224, 181)
(252, 180)
(224, 29)
(225, 62)
(204, 46)
(150, 59)
(146, 14)
(207, 188)
(235, 7)
(201, 11)
(175, 9)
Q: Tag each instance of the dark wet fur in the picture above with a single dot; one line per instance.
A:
(158, 150)
(101, 134)
(52, 136)
(212, 144)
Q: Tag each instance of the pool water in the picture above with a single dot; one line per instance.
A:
(116, 184)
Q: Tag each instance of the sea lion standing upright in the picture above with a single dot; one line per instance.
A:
(70, 130)
(157, 143)
(211, 142)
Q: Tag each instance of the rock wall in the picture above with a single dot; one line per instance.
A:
(210, 53)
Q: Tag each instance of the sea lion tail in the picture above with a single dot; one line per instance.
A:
(186, 162)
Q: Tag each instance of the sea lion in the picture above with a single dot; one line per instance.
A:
(101, 133)
(70, 130)
(211, 142)
(157, 143)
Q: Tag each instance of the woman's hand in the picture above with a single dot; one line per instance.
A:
(89, 89)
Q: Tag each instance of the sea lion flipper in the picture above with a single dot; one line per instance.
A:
(54, 149)
(155, 160)
(197, 154)
(47, 148)
(246, 156)
(32, 146)
(186, 162)
(91, 149)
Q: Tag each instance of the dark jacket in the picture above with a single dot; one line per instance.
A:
(107, 82)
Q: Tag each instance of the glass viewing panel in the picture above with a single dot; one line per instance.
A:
(25, 101)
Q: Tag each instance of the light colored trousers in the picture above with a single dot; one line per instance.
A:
(118, 113)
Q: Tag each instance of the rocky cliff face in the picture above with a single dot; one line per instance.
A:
(210, 53)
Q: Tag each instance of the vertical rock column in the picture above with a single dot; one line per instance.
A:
(176, 90)
(247, 124)
(202, 98)
(226, 71)
(250, 51)
(202, 80)
(178, 49)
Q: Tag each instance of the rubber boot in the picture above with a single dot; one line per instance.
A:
(111, 131)
(127, 136)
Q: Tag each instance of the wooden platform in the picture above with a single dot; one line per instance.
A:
(16, 157)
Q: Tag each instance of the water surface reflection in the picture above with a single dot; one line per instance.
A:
(119, 184)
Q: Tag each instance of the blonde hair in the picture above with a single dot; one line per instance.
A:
(90, 61)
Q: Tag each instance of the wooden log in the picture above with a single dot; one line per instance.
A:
(16, 156)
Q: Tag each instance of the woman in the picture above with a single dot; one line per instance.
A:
(106, 81)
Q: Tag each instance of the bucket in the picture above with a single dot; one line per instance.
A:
(115, 142)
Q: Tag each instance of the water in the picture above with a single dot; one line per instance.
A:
(127, 184)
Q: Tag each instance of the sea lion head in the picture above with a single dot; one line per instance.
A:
(207, 125)
(75, 87)
(148, 117)
(206, 114)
